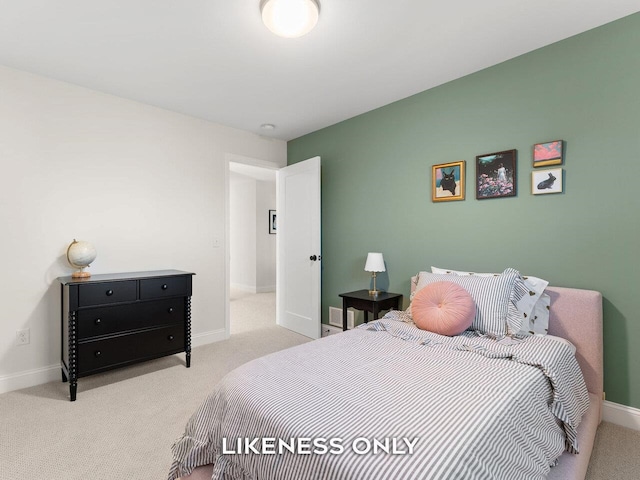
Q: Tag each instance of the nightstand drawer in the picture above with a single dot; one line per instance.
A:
(107, 292)
(163, 287)
(114, 351)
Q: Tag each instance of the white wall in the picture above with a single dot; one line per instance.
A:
(252, 248)
(144, 185)
(242, 231)
(265, 243)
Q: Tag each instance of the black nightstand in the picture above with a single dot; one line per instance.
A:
(361, 300)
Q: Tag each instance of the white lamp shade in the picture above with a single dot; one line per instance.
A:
(375, 262)
(290, 18)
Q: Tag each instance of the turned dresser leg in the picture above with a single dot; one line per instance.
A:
(73, 355)
(187, 331)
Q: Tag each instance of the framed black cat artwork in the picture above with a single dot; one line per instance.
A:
(448, 181)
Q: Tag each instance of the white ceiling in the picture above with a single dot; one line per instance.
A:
(214, 59)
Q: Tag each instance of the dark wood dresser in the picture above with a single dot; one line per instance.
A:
(109, 321)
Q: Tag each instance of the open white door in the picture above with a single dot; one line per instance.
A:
(298, 248)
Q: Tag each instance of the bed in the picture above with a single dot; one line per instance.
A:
(272, 409)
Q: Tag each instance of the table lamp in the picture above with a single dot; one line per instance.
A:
(375, 263)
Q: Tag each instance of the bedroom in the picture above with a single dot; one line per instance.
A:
(582, 90)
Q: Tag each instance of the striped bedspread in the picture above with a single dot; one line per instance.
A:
(390, 401)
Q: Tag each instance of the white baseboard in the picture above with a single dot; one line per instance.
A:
(244, 288)
(329, 330)
(52, 373)
(206, 338)
(253, 288)
(30, 378)
(621, 415)
(267, 289)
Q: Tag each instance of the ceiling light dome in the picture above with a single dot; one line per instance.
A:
(290, 18)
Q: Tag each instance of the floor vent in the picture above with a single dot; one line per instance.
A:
(335, 317)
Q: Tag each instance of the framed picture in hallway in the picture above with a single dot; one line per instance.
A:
(272, 222)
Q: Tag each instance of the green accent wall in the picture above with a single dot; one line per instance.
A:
(376, 183)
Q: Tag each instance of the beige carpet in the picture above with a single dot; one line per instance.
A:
(252, 311)
(124, 422)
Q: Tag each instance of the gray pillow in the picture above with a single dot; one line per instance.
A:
(492, 296)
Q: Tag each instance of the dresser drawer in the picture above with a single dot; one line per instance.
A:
(93, 322)
(106, 292)
(110, 352)
(163, 287)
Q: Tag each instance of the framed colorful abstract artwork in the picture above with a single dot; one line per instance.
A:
(496, 175)
(447, 181)
(548, 153)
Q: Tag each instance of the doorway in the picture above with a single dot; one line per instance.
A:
(252, 247)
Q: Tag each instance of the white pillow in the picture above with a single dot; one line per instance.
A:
(491, 294)
(533, 306)
(563, 340)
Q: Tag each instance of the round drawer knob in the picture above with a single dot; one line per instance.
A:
(98, 353)
(164, 286)
(170, 309)
(109, 293)
(170, 338)
(98, 321)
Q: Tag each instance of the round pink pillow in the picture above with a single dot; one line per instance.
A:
(444, 308)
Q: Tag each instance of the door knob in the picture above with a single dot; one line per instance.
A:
(313, 258)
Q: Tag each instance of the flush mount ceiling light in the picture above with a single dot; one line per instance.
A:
(290, 18)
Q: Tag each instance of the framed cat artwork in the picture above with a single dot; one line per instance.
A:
(448, 181)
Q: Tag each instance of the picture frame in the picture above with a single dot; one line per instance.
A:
(273, 226)
(548, 153)
(496, 175)
(547, 181)
(448, 181)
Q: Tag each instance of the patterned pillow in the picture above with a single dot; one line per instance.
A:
(525, 303)
(444, 308)
(492, 296)
(538, 320)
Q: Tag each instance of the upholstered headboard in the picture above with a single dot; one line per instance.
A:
(576, 315)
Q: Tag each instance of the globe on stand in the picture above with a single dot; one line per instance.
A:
(80, 255)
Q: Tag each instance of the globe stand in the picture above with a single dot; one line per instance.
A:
(81, 273)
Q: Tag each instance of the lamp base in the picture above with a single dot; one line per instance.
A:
(374, 293)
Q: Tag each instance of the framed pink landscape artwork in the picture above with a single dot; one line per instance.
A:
(547, 153)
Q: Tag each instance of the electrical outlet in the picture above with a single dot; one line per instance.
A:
(22, 337)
